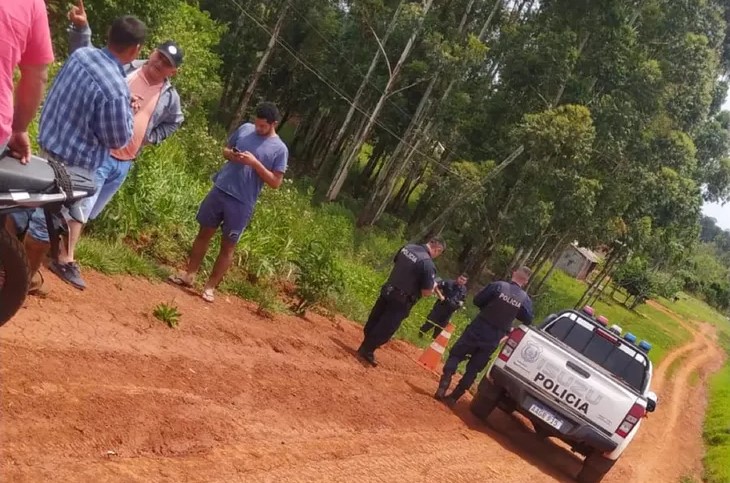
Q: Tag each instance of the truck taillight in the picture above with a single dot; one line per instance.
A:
(515, 337)
(635, 414)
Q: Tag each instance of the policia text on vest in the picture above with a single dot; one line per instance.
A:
(413, 276)
(499, 303)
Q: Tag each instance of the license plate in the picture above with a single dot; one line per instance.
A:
(546, 416)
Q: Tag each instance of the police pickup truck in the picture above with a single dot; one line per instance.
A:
(575, 379)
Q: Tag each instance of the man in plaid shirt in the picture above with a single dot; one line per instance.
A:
(88, 111)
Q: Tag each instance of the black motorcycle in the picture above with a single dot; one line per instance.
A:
(40, 183)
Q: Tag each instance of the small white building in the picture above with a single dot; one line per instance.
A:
(578, 262)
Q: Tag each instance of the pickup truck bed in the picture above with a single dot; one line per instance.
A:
(575, 380)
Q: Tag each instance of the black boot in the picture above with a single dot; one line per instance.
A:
(366, 354)
(444, 384)
(451, 399)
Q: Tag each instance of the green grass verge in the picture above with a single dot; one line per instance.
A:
(115, 258)
(717, 429)
(694, 309)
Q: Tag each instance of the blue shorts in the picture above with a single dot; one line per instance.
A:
(221, 209)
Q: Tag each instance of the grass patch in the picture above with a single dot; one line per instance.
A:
(116, 258)
(694, 309)
(674, 367)
(167, 313)
(263, 294)
(717, 429)
(694, 379)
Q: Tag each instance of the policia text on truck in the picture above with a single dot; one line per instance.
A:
(577, 380)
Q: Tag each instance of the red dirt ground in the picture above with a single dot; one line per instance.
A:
(95, 389)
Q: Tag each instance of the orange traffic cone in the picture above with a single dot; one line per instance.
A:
(431, 357)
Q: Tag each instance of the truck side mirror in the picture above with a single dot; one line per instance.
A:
(651, 402)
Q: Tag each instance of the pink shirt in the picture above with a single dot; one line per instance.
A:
(150, 94)
(25, 39)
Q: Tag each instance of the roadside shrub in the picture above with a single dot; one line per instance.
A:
(318, 276)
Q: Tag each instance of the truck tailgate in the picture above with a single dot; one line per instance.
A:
(568, 380)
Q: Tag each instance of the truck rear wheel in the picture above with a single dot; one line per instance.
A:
(486, 399)
(595, 467)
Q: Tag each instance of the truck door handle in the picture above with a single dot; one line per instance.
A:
(577, 369)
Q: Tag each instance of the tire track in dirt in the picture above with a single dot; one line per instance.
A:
(230, 396)
(669, 445)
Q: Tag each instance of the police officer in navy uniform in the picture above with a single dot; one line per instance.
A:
(499, 303)
(413, 276)
(451, 294)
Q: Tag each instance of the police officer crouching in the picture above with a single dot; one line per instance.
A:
(413, 276)
(451, 294)
(499, 303)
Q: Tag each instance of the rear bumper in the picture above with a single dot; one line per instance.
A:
(574, 430)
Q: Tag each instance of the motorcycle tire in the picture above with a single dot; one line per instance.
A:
(14, 275)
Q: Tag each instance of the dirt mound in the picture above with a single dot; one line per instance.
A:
(95, 389)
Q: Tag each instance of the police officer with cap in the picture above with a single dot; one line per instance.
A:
(499, 303)
(413, 276)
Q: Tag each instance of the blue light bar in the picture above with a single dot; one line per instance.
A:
(629, 337)
(645, 346)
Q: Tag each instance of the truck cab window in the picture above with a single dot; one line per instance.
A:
(601, 347)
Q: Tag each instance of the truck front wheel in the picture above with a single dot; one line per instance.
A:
(595, 467)
(486, 399)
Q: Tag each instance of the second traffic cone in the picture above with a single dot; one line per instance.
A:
(432, 355)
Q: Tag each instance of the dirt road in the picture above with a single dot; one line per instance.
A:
(95, 389)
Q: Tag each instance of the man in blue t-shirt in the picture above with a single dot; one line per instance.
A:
(256, 155)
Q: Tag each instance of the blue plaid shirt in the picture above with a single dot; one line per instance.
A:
(87, 110)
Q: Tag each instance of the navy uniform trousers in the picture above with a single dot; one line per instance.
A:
(389, 311)
(478, 342)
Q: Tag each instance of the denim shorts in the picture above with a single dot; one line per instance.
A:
(33, 221)
(221, 209)
(109, 179)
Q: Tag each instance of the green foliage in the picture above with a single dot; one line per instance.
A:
(167, 313)
(198, 35)
(318, 276)
(667, 285)
(115, 258)
(635, 278)
(263, 293)
(717, 429)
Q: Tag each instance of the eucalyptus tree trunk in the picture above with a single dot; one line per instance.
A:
(240, 113)
(348, 159)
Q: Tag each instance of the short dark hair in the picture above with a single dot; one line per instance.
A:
(268, 111)
(127, 31)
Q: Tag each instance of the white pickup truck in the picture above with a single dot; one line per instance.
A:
(577, 380)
